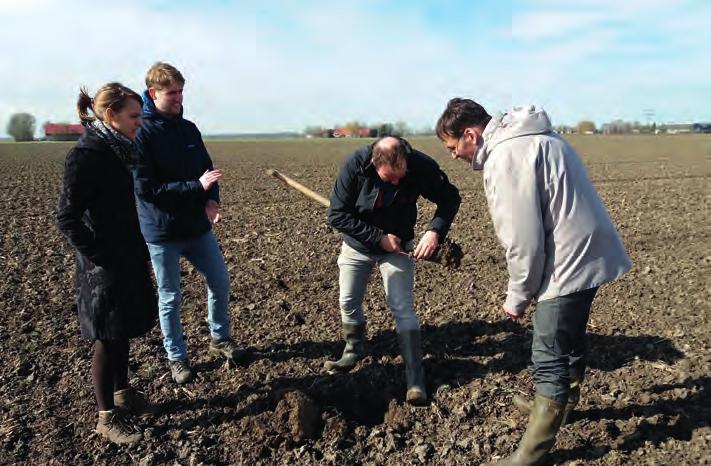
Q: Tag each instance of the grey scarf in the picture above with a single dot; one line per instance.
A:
(123, 147)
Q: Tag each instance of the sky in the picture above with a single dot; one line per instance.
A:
(267, 66)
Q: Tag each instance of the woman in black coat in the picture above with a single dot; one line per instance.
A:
(97, 215)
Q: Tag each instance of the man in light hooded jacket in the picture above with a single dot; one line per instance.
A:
(560, 247)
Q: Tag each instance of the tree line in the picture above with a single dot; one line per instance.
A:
(360, 129)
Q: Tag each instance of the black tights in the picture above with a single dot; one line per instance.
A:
(109, 370)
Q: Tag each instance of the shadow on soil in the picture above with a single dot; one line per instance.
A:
(685, 408)
(363, 395)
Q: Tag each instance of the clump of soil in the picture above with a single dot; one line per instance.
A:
(449, 254)
(297, 416)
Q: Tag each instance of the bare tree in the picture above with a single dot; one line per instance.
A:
(586, 127)
(21, 127)
(401, 128)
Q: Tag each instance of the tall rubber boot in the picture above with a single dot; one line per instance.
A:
(411, 350)
(543, 425)
(354, 351)
(524, 405)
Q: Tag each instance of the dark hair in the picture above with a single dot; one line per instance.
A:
(459, 115)
(391, 151)
(111, 95)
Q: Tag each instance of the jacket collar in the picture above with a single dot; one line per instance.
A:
(90, 140)
(151, 112)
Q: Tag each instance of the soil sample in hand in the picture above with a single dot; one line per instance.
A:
(449, 254)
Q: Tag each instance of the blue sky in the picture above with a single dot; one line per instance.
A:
(259, 66)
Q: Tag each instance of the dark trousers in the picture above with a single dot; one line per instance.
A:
(559, 349)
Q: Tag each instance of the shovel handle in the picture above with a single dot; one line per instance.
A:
(299, 187)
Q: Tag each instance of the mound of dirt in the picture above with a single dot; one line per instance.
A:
(297, 416)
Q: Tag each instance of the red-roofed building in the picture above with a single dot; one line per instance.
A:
(62, 131)
(349, 133)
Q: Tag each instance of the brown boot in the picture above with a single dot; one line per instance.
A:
(116, 428)
(525, 405)
(543, 425)
(131, 401)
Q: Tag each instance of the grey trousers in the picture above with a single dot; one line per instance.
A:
(559, 349)
(398, 272)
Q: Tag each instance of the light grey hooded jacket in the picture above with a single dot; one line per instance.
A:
(557, 233)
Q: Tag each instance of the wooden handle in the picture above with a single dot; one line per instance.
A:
(299, 187)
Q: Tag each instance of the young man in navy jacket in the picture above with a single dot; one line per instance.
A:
(178, 202)
(374, 206)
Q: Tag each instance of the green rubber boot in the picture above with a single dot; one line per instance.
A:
(411, 350)
(525, 406)
(354, 334)
(543, 425)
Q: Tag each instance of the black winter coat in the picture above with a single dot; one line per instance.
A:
(364, 208)
(97, 215)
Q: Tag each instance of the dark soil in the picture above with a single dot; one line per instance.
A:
(449, 254)
(645, 399)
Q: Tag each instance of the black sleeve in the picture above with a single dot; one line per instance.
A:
(78, 188)
(341, 213)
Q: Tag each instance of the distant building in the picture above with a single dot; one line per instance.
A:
(680, 128)
(351, 133)
(62, 131)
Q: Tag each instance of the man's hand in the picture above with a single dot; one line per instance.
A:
(427, 246)
(512, 314)
(209, 178)
(390, 243)
(212, 209)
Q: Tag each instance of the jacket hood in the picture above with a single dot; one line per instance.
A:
(520, 121)
(150, 110)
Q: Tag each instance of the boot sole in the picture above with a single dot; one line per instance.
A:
(333, 369)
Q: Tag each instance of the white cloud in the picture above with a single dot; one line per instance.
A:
(266, 67)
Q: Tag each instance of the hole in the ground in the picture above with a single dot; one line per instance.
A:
(361, 397)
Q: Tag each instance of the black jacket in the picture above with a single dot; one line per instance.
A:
(364, 208)
(97, 215)
(172, 157)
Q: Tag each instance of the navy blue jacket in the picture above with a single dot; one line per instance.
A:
(364, 208)
(171, 159)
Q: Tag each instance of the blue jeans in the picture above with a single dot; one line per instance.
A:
(559, 348)
(205, 255)
(398, 272)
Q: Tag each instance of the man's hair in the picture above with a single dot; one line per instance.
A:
(459, 115)
(390, 151)
(162, 75)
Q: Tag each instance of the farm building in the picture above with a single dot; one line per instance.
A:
(351, 133)
(62, 131)
(681, 128)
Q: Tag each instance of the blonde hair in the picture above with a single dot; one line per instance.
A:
(162, 75)
(111, 95)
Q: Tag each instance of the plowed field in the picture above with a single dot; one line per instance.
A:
(645, 400)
